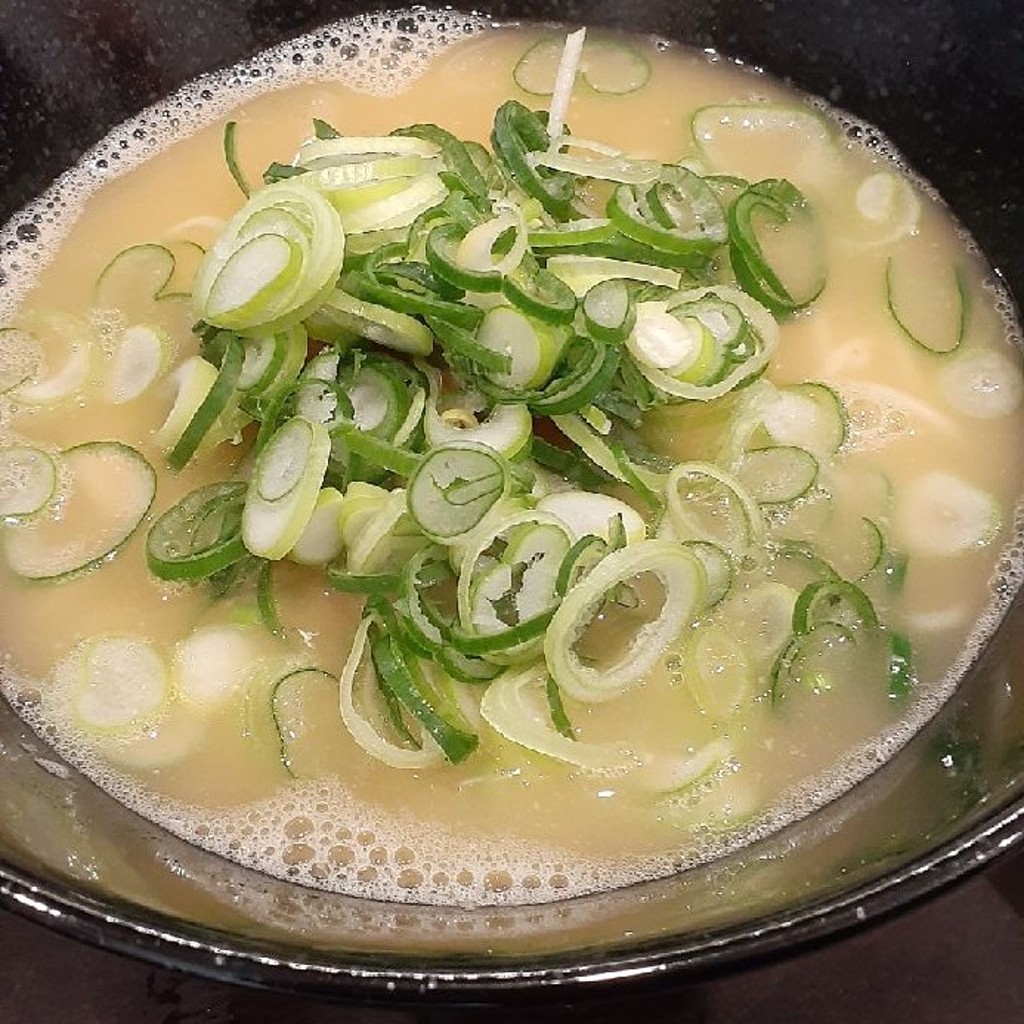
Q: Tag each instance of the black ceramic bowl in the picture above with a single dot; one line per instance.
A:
(945, 80)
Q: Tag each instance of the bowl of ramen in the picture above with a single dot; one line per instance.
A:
(490, 504)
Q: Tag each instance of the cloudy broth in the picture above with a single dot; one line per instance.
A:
(929, 470)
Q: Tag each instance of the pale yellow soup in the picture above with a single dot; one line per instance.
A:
(510, 825)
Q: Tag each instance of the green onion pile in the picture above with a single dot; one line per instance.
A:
(444, 357)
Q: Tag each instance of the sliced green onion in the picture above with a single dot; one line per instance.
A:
(199, 536)
(300, 701)
(607, 65)
(778, 475)
(142, 354)
(106, 492)
(518, 131)
(586, 513)
(211, 409)
(121, 683)
(28, 480)
(681, 578)
(837, 602)
(369, 726)
(231, 157)
(784, 208)
(758, 341)
(581, 273)
(377, 323)
(609, 311)
(539, 293)
(454, 487)
(285, 486)
(706, 503)
(941, 514)
(953, 333)
(515, 705)
(454, 153)
(508, 428)
(679, 213)
(531, 346)
(401, 674)
(266, 602)
(275, 261)
(380, 584)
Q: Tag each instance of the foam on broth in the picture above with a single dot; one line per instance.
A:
(362, 828)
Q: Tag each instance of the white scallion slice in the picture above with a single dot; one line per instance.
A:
(476, 250)
(810, 415)
(887, 207)
(274, 361)
(589, 513)
(355, 148)
(107, 490)
(760, 617)
(213, 664)
(193, 380)
(343, 312)
(507, 428)
(532, 346)
(581, 273)
(681, 346)
(28, 480)
(717, 670)
(515, 706)
(142, 353)
(274, 262)
(65, 349)
(537, 542)
(398, 210)
(765, 336)
(335, 177)
(983, 383)
(321, 540)
(941, 514)
(119, 682)
(285, 486)
(717, 565)
(379, 534)
(590, 443)
(604, 168)
(929, 303)
(682, 581)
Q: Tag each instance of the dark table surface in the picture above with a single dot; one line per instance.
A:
(957, 959)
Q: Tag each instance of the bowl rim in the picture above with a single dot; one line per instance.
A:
(163, 940)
